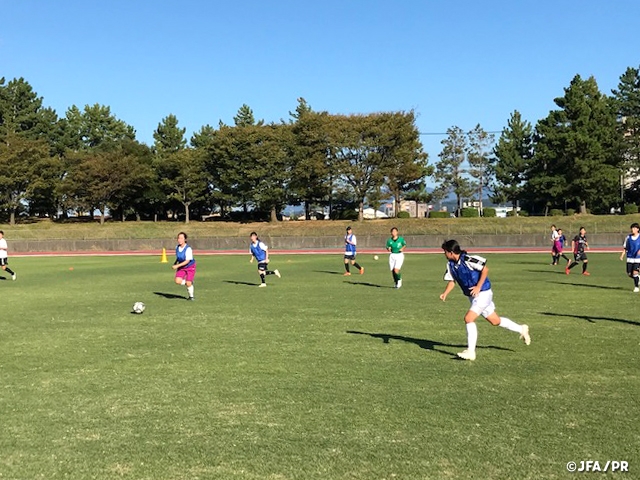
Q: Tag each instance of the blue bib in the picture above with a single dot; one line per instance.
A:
(348, 248)
(181, 256)
(632, 246)
(259, 253)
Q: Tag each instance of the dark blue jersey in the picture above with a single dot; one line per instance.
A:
(466, 272)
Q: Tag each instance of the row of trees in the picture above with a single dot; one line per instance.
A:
(89, 160)
(584, 155)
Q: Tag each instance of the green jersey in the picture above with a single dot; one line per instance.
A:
(396, 245)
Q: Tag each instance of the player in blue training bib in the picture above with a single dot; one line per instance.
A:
(260, 252)
(185, 264)
(350, 243)
(631, 250)
(471, 274)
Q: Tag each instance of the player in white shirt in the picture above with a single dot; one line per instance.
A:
(554, 237)
(4, 260)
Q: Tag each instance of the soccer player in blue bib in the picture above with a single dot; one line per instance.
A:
(260, 252)
(631, 249)
(350, 252)
(185, 264)
(471, 273)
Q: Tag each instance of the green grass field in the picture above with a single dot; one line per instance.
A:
(314, 377)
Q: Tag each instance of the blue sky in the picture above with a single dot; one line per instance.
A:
(455, 63)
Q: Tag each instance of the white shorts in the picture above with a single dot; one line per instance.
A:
(482, 304)
(395, 261)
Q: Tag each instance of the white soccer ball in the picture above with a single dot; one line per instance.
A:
(139, 307)
(376, 257)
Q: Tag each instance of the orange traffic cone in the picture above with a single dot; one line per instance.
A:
(163, 258)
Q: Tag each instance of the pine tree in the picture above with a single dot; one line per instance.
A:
(95, 127)
(479, 156)
(513, 154)
(577, 154)
(407, 162)
(627, 105)
(168, 137)
(450, 174)
(245, 117)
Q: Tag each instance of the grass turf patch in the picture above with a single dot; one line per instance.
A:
(317, 376)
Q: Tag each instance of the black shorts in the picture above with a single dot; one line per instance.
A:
(350, 257)
(632, 268)
(580, 257)
(262, 266)
(4, 262)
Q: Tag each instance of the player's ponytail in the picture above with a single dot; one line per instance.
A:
(452, 246)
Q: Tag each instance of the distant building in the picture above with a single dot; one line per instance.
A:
(471, 204)
(372, 213)
(503, 211)
(415, 209)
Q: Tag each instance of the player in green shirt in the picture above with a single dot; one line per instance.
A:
(396, 246)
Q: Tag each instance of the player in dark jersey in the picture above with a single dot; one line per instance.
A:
(579, 244)
(631, 250)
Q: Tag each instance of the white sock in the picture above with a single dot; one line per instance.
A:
(184, 282)
(510, 325)
(190, 290)
(472, 336)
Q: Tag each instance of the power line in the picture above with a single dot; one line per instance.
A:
(445, 133)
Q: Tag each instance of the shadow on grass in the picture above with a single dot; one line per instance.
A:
(237, 282)
(169, 295)
(603, 287)
(3, 278)
(591, 318)
(367, 284)
(526, 262)
(423, 343)
(329, 272)
(547, 271)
